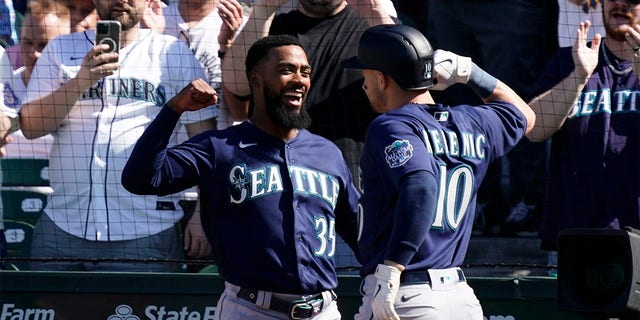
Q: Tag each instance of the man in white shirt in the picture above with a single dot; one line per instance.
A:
(96, 110)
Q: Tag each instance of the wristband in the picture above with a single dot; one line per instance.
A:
(481, 82)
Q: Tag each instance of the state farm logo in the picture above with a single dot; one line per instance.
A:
(123, 312)
(152, 312)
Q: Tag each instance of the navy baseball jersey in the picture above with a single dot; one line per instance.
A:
(270, 208)
(455, 145)
(594, 176)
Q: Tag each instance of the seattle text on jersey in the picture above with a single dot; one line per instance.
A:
(249, 184)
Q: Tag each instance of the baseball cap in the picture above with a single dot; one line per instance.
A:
(399, 51)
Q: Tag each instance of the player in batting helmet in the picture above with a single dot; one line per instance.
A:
(421, 168)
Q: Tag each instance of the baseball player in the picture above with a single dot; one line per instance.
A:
(421, 168)
(96, 110)
(273, 194)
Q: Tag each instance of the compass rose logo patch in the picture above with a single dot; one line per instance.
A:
(398, 153)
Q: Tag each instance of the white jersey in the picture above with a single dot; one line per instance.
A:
(93, 143)
(14, 92)
(202, 39)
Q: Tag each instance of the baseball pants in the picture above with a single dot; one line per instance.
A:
(453, 299)
(231, 306)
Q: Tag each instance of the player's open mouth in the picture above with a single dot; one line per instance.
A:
(294, 97)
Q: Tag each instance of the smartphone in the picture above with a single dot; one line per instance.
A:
(108, 32)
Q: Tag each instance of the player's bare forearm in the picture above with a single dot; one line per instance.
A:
(505, 93)
(552, 107)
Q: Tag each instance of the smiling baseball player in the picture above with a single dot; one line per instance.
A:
(421, 168)
(273, 195)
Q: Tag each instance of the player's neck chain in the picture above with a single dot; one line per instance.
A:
(611, 67)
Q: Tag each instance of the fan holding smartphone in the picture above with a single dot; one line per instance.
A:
(97, 91)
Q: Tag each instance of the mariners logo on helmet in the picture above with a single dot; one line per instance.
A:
(400, 51)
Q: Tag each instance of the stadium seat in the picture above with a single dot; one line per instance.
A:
(25, 171)
(19, 235)
(24, 203)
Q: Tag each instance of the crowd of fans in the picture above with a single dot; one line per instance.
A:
(511, 40)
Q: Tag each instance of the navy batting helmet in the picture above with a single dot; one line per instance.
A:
(399, 51)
